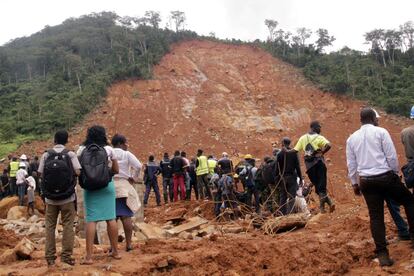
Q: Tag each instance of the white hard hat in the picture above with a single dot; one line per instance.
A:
(23, 157)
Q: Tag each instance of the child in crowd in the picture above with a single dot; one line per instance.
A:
(31, 187)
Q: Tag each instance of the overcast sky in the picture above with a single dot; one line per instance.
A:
(347, 20)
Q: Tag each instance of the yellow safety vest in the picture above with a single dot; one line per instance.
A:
(211, 165)
(14, 167)
(202, 167)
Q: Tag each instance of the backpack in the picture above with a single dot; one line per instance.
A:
(408, 172)
(95, 173)
(58, 175)
(310, 150)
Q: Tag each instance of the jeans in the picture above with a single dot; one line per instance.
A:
(154, 184)
(21, 191)
(375, 190)
(394, 209)
(67, 212)
(287, 191)
(178, 180)
(167, 189)
(203, 186)
(217, 203)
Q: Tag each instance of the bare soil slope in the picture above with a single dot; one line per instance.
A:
(240, 99)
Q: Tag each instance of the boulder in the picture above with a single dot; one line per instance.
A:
(151, 231)
(17, 213)
(24, 248)
(185, 236)
(33, 219)
(8, 256)
(7, 203)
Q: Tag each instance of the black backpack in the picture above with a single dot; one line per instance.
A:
(310, 150)
(247, 178)
(95, 173)
(58, 175)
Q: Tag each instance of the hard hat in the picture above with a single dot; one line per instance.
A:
(236, 175)
(224, 154)
(412, 113)
(23, 157)
(248, 156)
(22, 165)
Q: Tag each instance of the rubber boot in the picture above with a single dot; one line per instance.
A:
(330, 203)
(188, 195)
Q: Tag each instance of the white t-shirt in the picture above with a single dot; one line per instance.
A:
(21, 176)
(31, 183)
(129, 165)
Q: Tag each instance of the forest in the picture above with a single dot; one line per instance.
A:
(53, 78)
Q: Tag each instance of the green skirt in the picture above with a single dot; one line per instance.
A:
(100, 204)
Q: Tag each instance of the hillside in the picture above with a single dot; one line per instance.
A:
(239, 99)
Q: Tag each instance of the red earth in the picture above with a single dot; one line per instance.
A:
(238, 99)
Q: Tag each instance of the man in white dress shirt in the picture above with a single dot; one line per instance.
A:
(373, 169)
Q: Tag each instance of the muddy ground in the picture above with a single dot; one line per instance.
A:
(236, 99)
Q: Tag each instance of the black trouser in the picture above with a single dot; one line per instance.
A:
(193, 185)
(253, 191)
(218, 200)
(375, 191)
(203, 186)
(317, 175)
(287, 191)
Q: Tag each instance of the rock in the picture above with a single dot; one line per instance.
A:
(33, 219)
(17, 213)
(162, 263)
(197, 210)
(8, 256)
(24, 248)
(185, 236)
(171, 260)
(206, 231)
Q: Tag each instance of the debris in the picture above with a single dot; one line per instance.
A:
(193, 223)
(233, 229)
(24, 248)
(151, 231)
(17, 212)
(284, 223)
(8, 256)
(185, 235)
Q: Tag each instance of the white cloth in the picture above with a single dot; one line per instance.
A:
(124, 189)
(21, 176)
(370, 151)
(31, 183)
(129, 165)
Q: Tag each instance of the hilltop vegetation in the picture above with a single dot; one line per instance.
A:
(54, 77)
(384, 76)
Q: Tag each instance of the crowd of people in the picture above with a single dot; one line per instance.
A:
(105, 173)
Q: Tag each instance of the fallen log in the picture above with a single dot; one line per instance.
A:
(284, 223)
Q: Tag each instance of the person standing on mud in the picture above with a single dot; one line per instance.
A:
(151, 171)
(287, 171)
(372, 157)
(63, 203)
(166, 172)
(193, 179)
(202, 175)
(315, 146)
(225, 165)
(13, 168)
(178, 168)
